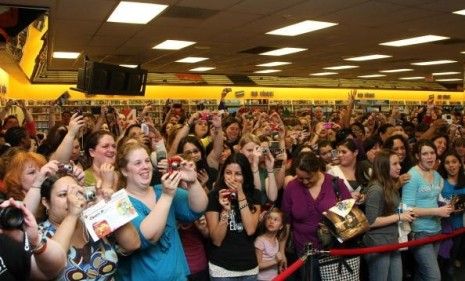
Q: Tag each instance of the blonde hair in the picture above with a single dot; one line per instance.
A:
(248, 137)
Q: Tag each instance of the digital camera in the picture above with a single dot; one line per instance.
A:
(11, 217)
(174, 164)
(89, 193)
(65, 168)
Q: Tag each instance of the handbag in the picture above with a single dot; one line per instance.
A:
(345, 220)
(458, 202)
(339, 268)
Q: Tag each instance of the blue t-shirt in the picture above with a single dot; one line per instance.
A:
(164, 259)
(417, 192)
(447, 192)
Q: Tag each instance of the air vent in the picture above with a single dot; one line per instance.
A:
(241, 80)
(188, 13)
(258, 50)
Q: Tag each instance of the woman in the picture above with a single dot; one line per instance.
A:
(454, 185)
(63, 199)
(101, 148)
(442, 145)
(399, 145)
(232, 130)
(232, 218)
(421, 193)
(306, 198)
(381, 206)
(161, 256)
(263, 177)
(349, 170)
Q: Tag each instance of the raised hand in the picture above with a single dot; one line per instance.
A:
(170, 182)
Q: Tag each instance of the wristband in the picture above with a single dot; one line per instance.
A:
(39, 249)
(243, 206)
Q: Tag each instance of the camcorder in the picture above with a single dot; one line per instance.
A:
(11, 217)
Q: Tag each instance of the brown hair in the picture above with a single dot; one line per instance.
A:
(121, 157)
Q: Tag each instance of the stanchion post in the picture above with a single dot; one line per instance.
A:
(309, 252)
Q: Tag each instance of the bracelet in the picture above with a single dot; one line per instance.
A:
(243, 206)
(270, 172)
(39, 249)
(242, 199)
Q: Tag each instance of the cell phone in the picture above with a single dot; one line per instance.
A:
(144, 128)
(327, 125)
(275, 147)
(278, 163)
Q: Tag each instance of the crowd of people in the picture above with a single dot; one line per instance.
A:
(223, 195)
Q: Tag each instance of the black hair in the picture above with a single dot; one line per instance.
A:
(54, 138)
(202, 163)
(461, 174)
(308, 162)
(360, 173)
(241, 160)
(421, 143)
(407, 163)
(15, 135)
(93, 139)
(343, 134)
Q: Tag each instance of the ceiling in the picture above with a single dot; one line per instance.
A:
(228, 32)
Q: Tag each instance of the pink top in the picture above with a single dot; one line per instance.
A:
(269, 250)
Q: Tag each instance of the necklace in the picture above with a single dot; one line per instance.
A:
(423, 168)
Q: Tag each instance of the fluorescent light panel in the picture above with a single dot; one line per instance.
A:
(339, 67)
(412, 78)
(283, 51)
(445, 73)
(460, 12)
(371, 76)
(368, 57)
(202, 68)
(462, 52)
(301, 28)
(414, 40)
(191, 59)
(267, 71)
(434, 62)
(66, 55)
(135, 12)
(129, 65)
(449, 79)
(173, 45)
(323, 73)
(396, 70)
(274, 63)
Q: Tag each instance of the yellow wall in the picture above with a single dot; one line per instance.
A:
(22, 89)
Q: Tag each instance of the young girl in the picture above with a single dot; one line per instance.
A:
(267, 244)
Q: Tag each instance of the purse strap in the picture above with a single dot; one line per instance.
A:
(336, 189)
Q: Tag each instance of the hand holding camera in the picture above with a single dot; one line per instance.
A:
(108, 175)
(224, 200)
(170, 182)
(76, 123)
(76, 200)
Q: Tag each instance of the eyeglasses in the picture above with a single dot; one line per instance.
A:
(190, 152)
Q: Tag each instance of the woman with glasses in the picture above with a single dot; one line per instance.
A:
(306, 198)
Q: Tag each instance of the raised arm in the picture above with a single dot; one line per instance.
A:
(213, 157)
(184, 131)
(65, 149)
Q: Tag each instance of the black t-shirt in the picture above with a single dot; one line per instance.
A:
(15, 262)
(237, 252)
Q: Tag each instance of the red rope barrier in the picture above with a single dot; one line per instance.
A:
(368, 250)
(288, 271)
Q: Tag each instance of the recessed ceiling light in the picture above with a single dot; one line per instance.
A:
(301, 28)
(135, 12)
(267, 71)
(339, 67)
(462, 52)
(274, 63)
(323, 73)
(368, 57)
(66, 55)
(371, 76)
(396, 70)
(129, 65)
(412, 78)
(173, 45)
(445, 73)
(449, 79)
(434, 62)
(202, 68)
(283, 51)
(460, 12)
(414, 40)
(191, 59)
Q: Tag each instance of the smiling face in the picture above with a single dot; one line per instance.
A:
(346, 156)
(138, 171)
(191, 152)
(248, 150)
(201, 128)
(233, 132)
(104, 152)
(441, 145)
(399, 148)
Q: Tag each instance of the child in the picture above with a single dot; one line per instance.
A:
(267, 244)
